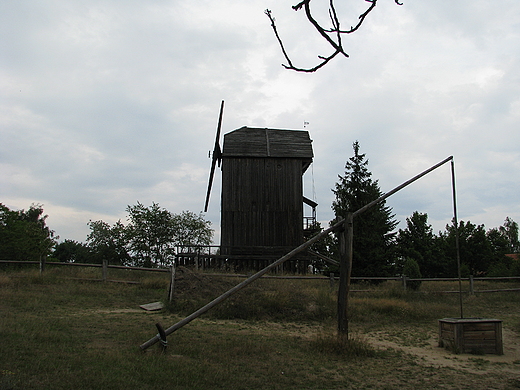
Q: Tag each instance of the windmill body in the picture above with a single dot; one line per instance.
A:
(262, 192)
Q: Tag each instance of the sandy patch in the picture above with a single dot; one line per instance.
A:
(431, 354)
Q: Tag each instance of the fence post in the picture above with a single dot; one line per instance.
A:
(345, 270)
(104, 270)
(172, 282)
(42, 264)
(471, 285)
(331, 279)
(404, 281)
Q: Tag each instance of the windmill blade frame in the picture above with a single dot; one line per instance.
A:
(216, 157)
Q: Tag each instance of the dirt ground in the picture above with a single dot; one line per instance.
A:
(430, 354)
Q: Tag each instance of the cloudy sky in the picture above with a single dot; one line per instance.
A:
(104, 103)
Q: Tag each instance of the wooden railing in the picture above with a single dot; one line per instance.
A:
(332, 278)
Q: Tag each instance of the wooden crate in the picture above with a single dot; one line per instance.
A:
(471, 335)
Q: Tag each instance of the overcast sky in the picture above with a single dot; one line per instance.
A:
(104, 103)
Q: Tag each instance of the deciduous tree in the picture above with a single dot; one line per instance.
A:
(108, 243)
(417, 241)
(475, 249)
(151, 236)
(509, 230)
(504, 241)
(24, 234)
(70, 251)
(191, 229)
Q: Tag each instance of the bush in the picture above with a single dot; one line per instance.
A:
(499, 269)
(411, 269)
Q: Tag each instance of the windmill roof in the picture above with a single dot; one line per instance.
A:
(262, 142)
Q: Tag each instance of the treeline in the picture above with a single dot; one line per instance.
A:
(482, 252)
(152, 234)
(148, 239)
(416, 251)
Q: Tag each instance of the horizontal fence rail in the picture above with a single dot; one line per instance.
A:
(402, 278)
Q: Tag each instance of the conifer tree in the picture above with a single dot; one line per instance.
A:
(373, 252)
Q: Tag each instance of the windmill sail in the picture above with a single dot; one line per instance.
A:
(217, 157)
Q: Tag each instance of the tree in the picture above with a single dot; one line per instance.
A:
(325, 247)
(332, 34)
(417, 241)
(191, 229)
(150, 237)
(509, 231)
(503, 241)
(475, 248)
(108, 243)
(70, 251)
(150, 234)
(498, 241)
(154, 232)
(373, 253)
(24, 235)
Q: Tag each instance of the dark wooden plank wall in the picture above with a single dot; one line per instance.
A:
(261, 202)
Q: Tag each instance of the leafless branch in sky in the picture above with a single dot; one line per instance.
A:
(332, 34)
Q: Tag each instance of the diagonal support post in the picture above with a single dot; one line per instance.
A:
(241, 285)
(348, 238)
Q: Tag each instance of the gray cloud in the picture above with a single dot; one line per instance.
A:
(104, 103)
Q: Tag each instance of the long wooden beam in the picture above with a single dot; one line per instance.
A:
(284, 258)
(241, 285)
(324, 258)
(400, 187)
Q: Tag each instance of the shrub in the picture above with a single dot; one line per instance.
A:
(411, 269)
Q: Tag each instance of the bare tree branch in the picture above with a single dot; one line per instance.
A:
(332, 35)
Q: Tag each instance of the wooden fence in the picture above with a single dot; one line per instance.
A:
(241, 259)
(332, 279)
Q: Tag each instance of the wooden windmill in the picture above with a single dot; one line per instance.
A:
(262, 192)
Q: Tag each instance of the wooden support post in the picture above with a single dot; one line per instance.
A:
(456, 225)
(331, 278)
(42, 264)
(471, 285)
(162, 336)
(404, 281)
(345, 271)
(172, 283)
(104, 270)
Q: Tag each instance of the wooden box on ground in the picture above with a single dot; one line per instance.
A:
(471, 335)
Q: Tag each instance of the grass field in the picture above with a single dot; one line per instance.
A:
(63, 333)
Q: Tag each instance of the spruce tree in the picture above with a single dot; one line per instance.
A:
(373, 251)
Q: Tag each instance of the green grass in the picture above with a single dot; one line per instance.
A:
(62, 333)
